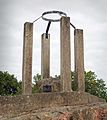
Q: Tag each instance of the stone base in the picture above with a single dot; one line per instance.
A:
(13, 107)
(49, 85)
(96, 111)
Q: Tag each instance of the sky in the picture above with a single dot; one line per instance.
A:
(89, 15)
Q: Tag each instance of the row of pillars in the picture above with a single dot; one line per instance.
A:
(65, 57)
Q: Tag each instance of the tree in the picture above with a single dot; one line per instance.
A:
(93, 85)
(9, 85)
(36, 78)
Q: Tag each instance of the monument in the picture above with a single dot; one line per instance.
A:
(65, 56)
(56, 100)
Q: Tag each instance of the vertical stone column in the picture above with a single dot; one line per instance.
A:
(45, 56)
(79, 59)
(65, 54)
(27, 59)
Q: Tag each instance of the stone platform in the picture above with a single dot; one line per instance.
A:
(16, 106)
(96, 111)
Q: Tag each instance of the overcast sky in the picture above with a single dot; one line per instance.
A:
(89, 15)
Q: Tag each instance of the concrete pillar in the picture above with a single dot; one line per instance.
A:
(27, 59)
(45, 56)
(79, 59)
(65, 54)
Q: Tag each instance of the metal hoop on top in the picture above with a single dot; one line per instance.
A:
(51, 12)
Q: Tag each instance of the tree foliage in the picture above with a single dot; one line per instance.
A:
(36, 78)
(9, 85)
(95, 86)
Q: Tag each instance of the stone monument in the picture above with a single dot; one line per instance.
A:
(65, 56)
(57, 101)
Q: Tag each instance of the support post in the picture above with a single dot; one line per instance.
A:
(65, 54)
(79, 59)
(27, 59)
(45, 56)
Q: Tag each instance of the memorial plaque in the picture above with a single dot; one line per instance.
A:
(47, 88)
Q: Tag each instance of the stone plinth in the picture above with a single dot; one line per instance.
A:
(27, 58)
(79, 59)
(65, 51)
(45, 56)
(49, 85)
(17, 106)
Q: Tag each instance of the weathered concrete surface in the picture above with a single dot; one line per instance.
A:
(20, 105)
(45, 56)
(65, 51)
(79, 59)
(27, 58)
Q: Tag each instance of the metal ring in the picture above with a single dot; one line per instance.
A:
(51, 12)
